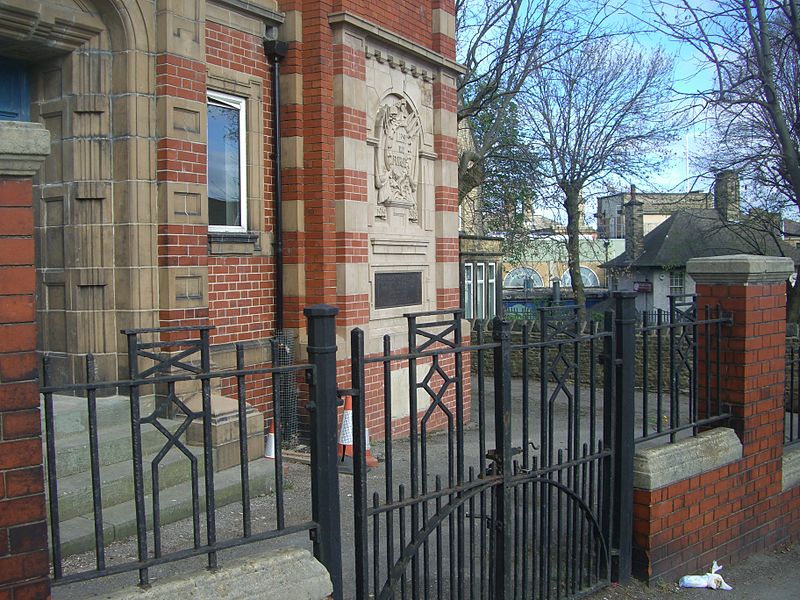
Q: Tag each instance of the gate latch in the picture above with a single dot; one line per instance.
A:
(497, 457)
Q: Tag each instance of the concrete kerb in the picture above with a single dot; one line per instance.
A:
(289, 574)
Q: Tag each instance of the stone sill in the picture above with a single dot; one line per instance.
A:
(655, 468)
(227, 243)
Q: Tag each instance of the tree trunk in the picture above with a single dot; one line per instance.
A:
(572, 203)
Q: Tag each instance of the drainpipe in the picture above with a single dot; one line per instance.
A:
(276, 50)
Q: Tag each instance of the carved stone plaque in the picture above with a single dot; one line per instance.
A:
(398, 289)
(397, 156)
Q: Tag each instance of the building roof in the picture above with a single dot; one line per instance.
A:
(702, 233)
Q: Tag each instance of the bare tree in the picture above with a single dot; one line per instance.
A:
(598, 111)
(501, 43)
(753, 50)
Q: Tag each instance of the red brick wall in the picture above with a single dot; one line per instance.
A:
(24, 563)
(723, 515)
(410, 19)
(241, 298)
(739, 508)
(241, 290)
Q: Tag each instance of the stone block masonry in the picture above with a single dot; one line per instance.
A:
(370, 169)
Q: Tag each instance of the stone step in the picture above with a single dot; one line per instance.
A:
(71, 413)
(75, 491)
(114, 446)
(119, 521)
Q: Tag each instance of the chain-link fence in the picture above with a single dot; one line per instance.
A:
(286, 393)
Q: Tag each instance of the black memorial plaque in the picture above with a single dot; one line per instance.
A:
(398, 289)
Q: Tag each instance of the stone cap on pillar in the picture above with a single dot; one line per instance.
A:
(740, 269)
(23, 148)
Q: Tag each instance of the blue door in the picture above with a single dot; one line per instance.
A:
(14, 96)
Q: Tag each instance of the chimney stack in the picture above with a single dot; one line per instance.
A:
(634, 226)
(726, 194)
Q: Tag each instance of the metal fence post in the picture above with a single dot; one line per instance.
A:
(503, 527)
(324, 473)
(624, 445)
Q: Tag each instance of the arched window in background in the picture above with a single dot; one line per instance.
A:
(588, 276)
(523, 277)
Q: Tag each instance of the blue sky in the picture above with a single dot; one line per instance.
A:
(691, 76)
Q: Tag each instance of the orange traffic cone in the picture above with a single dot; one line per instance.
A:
(346, 441)
(269, 445)
(371, 460)
(346, 438)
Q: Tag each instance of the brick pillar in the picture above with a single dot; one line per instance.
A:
(753, 290)
(23, 527)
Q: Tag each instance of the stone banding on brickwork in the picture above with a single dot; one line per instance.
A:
(394, 40)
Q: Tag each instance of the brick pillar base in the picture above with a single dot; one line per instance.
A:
(752, 371)
(730, 504)
(24, 562)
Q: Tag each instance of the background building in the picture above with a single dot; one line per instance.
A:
(654, 262)
(656, 207)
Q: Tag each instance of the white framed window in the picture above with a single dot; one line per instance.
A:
(468, 291)
(480, 290)
(227, 162)
(676, 281)
(491, 291)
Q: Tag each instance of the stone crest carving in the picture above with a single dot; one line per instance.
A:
(397, 156)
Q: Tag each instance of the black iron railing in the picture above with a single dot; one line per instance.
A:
(170, 360)
(791, 430)
(679, 371)
(519, 506)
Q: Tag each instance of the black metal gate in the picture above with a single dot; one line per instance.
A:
(516, 500)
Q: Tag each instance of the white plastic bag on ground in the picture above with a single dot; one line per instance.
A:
(711, 580)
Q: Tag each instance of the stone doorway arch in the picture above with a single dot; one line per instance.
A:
(92, 84)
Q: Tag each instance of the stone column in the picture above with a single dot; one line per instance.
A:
(753, 290)
(24, 564)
